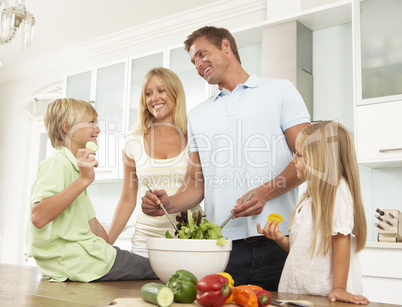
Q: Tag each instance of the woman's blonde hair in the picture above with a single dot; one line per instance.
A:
(174, 90)
(328, 153)
(70, 110)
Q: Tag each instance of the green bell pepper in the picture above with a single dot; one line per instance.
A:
(184, 286)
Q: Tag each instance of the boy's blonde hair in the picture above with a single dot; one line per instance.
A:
(174, 90)
(329, 155)
(70, 110)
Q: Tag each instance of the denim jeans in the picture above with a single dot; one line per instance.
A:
(257, 261)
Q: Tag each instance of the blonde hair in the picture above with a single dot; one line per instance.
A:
(329, 154)
(175, 91)
(70, 110)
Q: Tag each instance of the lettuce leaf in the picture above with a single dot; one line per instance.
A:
(194, 226)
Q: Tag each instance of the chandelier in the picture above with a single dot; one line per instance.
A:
(14, 17)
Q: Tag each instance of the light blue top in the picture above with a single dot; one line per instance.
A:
(240, 139)
(66, 247)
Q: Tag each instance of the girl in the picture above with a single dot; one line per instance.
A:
(328, 226)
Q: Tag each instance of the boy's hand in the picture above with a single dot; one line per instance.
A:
(271, 231)
(86, 163)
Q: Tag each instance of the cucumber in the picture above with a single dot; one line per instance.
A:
(157, 294)
(91, 145)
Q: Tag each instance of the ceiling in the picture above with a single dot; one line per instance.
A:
(63, 23)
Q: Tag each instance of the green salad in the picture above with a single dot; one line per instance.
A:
(193, 225)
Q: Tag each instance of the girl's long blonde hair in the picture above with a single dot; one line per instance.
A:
(175, 91)
(329, 154)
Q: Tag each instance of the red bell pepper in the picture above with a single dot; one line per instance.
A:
(214, 290)
(264, 297)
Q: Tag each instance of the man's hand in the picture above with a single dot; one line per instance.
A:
(151, 203)
(252, 206)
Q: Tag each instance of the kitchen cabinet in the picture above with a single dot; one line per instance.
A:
(378, 139)
(106, 88)
(79, 85)
(378, 62)
(378, 38)
(382, 272)
(138, 68)
(378, 81)
(195, 87)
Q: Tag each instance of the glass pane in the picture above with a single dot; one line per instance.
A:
(109, 99)
(79, 86)
(139, 67)
(381, 47)
(250, 57)
(194, 85)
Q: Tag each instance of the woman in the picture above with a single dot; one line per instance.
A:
(154, 155)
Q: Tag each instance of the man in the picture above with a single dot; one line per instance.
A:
(241, 141)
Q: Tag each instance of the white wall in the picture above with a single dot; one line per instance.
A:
(15, 148)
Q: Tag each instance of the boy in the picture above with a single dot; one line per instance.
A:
(63, 234)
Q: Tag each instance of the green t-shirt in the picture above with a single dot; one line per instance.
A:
(66, 247)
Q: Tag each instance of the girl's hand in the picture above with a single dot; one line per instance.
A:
(343, 295)
(271, 231)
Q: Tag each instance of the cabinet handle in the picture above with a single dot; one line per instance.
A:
(390, 149)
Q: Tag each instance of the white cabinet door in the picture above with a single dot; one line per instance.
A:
(79, 85)
(378, 40)
(106, 86)
(378, 133)
(382, 272)
(138, 69)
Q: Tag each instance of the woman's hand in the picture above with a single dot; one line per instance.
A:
(151, 203)
(344, 296)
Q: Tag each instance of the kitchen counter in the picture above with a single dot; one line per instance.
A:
(23, 286)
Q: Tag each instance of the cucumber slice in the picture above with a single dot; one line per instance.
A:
(157, 294)
(91, 145)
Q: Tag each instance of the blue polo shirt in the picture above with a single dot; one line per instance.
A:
(240, 138)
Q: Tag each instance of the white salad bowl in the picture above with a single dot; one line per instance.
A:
(200, 257)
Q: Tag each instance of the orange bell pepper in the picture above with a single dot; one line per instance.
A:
(254, 287)
(245, 296)
(231, 285)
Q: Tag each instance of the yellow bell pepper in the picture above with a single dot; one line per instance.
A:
(231, 285)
